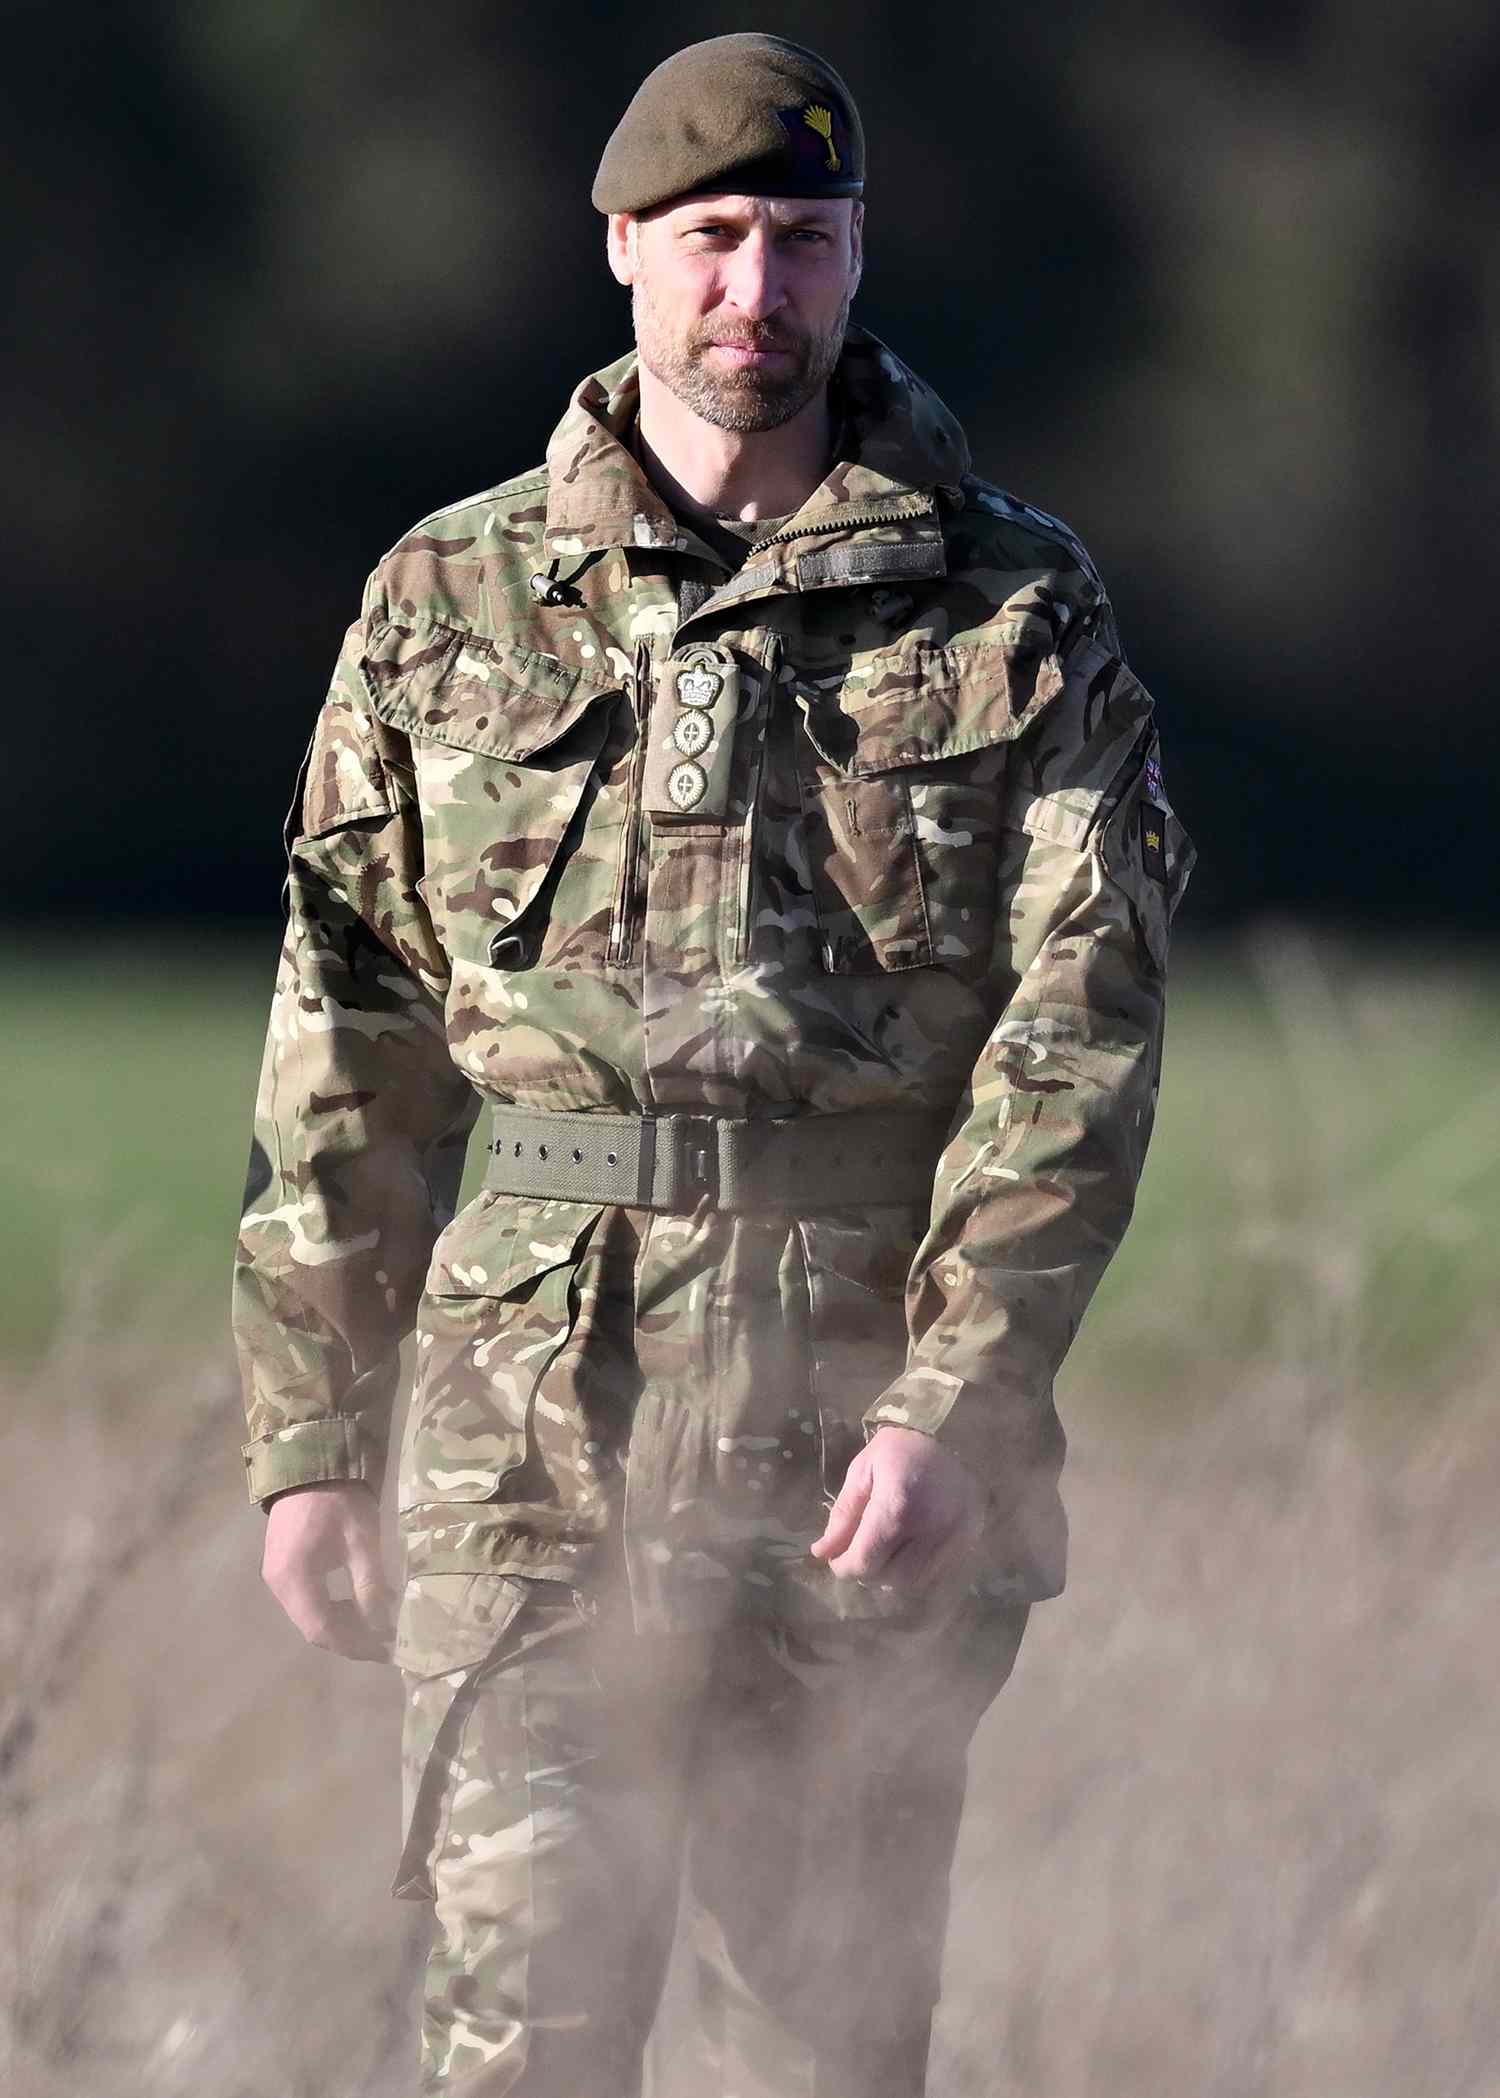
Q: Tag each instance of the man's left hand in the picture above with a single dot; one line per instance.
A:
(908, 1512)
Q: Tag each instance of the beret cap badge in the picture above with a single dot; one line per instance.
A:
(821, 121)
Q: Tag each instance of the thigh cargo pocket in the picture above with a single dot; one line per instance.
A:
(448, 1627)
(521, 770)
(901, 774)
(499, 1306)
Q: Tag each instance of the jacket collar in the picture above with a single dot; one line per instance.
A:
(905, 445)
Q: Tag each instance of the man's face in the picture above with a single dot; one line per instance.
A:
(741, 303)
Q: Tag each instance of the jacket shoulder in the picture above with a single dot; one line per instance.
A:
(492, 508)
(995, 531)
(456, 563)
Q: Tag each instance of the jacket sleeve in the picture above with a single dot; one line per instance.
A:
(1035, 1186)
(361, 1120)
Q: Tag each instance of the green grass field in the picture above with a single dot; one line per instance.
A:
(1321, 1155)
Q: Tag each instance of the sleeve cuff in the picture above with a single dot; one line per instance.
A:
(922, 1398)
(308, 1453)
(997, 1431)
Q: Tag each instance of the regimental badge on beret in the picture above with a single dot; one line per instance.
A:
(816, 133)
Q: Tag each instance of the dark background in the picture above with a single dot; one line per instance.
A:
(1218, 283)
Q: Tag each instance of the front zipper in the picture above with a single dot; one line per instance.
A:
(627, 873)
(841, 524)
(724, 599)
(744, 899)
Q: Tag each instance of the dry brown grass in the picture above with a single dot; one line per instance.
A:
(191, 1803)
(1234, 1820)
(1233, 1824)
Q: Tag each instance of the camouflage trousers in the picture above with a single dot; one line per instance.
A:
(570, 1782)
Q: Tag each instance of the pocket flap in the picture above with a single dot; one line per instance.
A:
(452, 1621)
(508, 748)
(499, 701)
(914, 706)
(1060, 786)
(500, 1243)
(875, 1254)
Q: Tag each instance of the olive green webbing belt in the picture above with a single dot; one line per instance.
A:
(802, 1163)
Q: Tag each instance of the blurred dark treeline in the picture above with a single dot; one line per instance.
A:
(1218, 283)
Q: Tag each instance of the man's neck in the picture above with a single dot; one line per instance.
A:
(732, 473)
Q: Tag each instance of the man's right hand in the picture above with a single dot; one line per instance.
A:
(322, 1563)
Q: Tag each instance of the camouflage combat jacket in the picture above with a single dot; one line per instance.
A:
(931, 865)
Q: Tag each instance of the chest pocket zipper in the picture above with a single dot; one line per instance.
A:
(752, 830)
(625, 909)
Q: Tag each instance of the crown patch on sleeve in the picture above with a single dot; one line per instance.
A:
(1154, 841)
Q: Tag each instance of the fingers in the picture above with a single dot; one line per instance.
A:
(373, 1598)
(879, 1532)
(306, 1602)
(844, 1516)
(327, 1613)
(354, 1636)
(322, 1564)
(881, 1529)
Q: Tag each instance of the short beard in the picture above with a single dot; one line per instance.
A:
(746, 400)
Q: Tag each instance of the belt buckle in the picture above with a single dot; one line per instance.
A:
(697, 1147)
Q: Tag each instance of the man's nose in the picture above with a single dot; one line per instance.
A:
(754, 280)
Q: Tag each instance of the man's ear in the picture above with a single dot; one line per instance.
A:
(857, 244)
(620, 245)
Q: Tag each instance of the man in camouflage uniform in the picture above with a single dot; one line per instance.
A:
(751, 810)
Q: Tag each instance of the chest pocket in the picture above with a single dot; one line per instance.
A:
(513, 758)
(901, 771)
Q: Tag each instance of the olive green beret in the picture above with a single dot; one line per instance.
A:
(751, 114)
